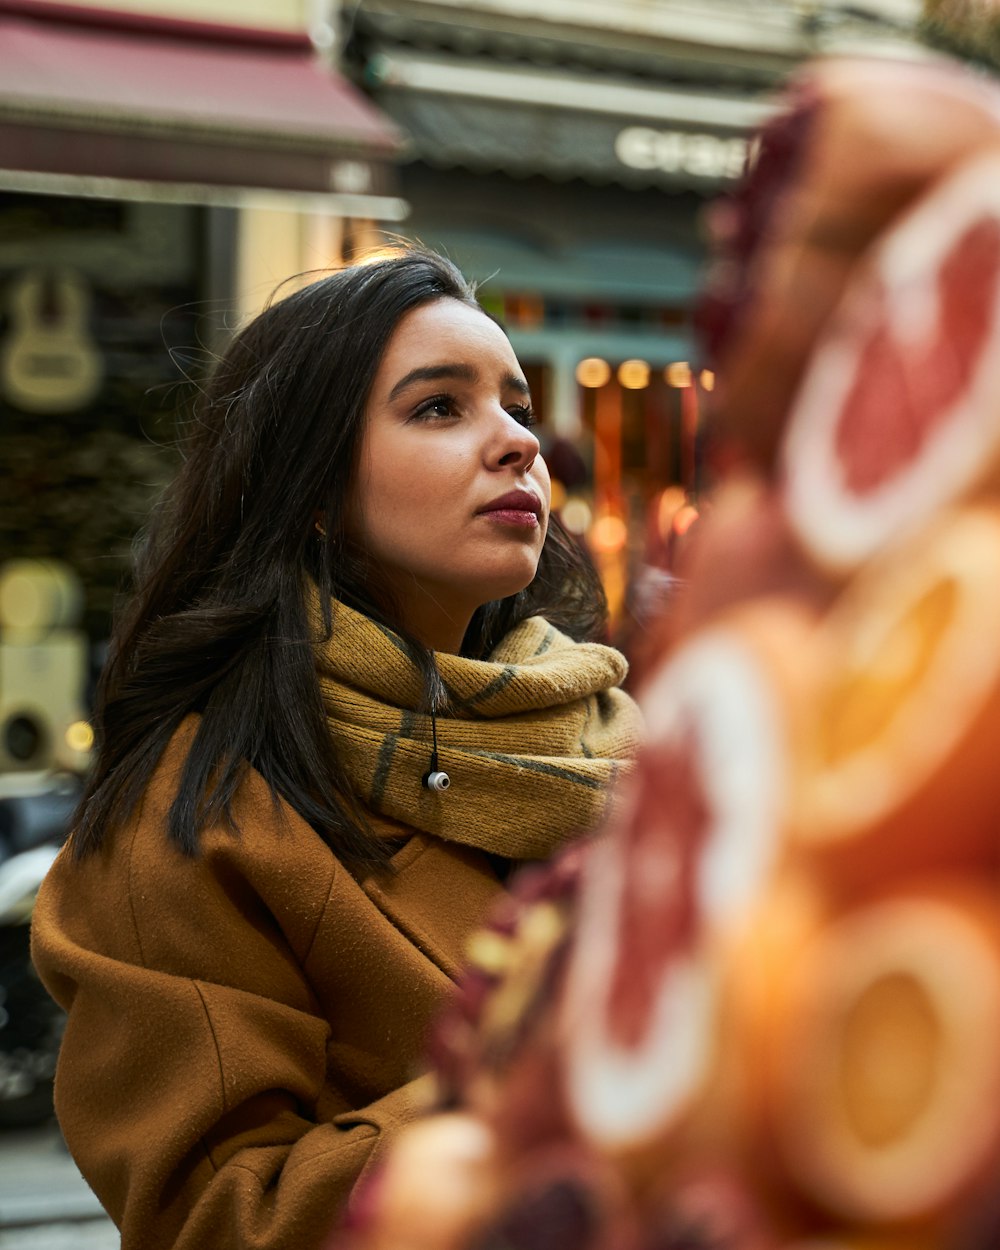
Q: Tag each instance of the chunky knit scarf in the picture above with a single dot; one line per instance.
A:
(531, 738)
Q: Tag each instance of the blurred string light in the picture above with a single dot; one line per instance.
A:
(633, 375)
(593, 372)
(558, 495)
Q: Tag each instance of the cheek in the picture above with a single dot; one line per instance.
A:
(406, 498)
(542, 480)
(392, 491)
(388, 482)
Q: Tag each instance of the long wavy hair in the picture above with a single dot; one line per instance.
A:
(217, 624)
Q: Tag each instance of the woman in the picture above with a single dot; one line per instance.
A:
(268, 891)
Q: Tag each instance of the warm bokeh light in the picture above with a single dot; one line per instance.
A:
(576, 516)
(79, 736)
(633, 374)
(678, 374)
(671, 500)
(707, 380)
(593, 372)
(608, 534)
(558, 494)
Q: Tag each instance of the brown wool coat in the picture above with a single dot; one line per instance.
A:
(246, 1025)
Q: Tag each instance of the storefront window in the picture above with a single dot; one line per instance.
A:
(102, 317)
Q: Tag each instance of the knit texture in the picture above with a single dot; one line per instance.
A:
(532, 737)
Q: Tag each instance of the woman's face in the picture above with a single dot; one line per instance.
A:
(451, 498)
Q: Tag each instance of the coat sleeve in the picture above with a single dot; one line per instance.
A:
(193, 1086)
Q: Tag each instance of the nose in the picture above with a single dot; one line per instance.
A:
(515, 445)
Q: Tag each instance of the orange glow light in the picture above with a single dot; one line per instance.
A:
(707, 380)
(608, 534)
(593, 372)
(633, 375)
(678, 374)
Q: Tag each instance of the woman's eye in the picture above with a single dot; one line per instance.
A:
(524, 413)
(438, 406)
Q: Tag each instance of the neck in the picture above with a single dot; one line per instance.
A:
(446, 640)
(438, 626)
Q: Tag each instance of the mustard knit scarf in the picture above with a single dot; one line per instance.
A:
(531, 740)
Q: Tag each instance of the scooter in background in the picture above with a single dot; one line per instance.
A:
(35, 811)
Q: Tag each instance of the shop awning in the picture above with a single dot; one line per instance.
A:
(608, 269)
(487, 117)
(177, 110)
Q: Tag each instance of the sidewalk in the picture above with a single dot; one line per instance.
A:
(45, 1204)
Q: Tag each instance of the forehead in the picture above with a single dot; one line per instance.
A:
(447, 331)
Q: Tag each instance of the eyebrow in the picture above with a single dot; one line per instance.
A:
(464, 373)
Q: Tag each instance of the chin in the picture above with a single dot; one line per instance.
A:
(502, 587)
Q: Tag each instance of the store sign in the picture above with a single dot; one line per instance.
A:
(679, 152)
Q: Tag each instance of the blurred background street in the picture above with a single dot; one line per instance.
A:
(44, 1202)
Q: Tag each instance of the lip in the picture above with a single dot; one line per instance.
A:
(515, 501)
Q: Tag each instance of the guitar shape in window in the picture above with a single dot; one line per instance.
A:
(49, 362)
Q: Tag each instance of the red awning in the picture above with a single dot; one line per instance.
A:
(91, 95)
